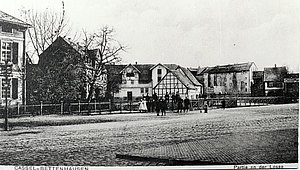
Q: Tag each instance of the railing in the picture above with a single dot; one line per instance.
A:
(84, 108)
(239, 101)
(81, 108)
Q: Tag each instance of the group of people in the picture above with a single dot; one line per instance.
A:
(160, 104)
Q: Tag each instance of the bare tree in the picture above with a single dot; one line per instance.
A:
(109, 53)
(46, 27)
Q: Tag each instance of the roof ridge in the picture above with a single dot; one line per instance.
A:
(18, 21)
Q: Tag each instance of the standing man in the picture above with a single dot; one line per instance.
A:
(155, 100)
(159, 106)
(223, 104)
(173, 100)
(148, 102)
(187, 104)
(163, 107)
(179, 104)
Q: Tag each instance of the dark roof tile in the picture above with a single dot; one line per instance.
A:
(183, 79)
(227, 68)
(275, 74)
(4, 17)
(190, 76)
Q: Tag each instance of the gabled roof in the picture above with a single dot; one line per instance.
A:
(190, 76)
(4, 17)
(183, 79)
(275, 74)
(80, 49)
(172, 66)
(59, 43)
(131, 66)
(146, 73)
(227, 68)
(167, 66)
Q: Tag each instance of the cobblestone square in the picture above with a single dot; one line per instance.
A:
(97, 144)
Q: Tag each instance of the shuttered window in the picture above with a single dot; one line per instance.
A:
(15, 53)
(6, 50)
(14, 88)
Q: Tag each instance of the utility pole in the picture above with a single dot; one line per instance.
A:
(7, 68)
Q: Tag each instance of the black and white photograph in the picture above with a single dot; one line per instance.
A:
(149, 84)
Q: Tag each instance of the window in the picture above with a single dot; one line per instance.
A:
(6, 51)
(5, 84)
(278, 84)
(242, 86)
(209, 81)
(215, 80)
(129, 95)
(6, 28)
(275, 84)
(129, 74)
(142, 90)
(146, 90)
(132, 82)
(158, 74)
(270, 84)
(159, 71)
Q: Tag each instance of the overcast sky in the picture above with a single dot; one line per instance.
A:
(191, 33)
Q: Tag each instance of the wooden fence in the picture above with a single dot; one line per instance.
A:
(239, 101)
(83, 108)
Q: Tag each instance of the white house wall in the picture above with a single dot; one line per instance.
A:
(17, 37)
(164, 71)
(131, 84)
(135, 89)
(225, 83)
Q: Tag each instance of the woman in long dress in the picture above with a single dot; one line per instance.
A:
(143, 106)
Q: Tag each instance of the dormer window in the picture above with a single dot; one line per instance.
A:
(129, 74)
(6, 28)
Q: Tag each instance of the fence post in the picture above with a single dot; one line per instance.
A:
(41, 107)
(99, 107)
(95, 105)
(109, 105)
(120, 106)
(18, 106)
(61, 107)
(79, 111)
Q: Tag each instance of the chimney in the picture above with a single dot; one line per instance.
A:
(275, 65)
(135, 63)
